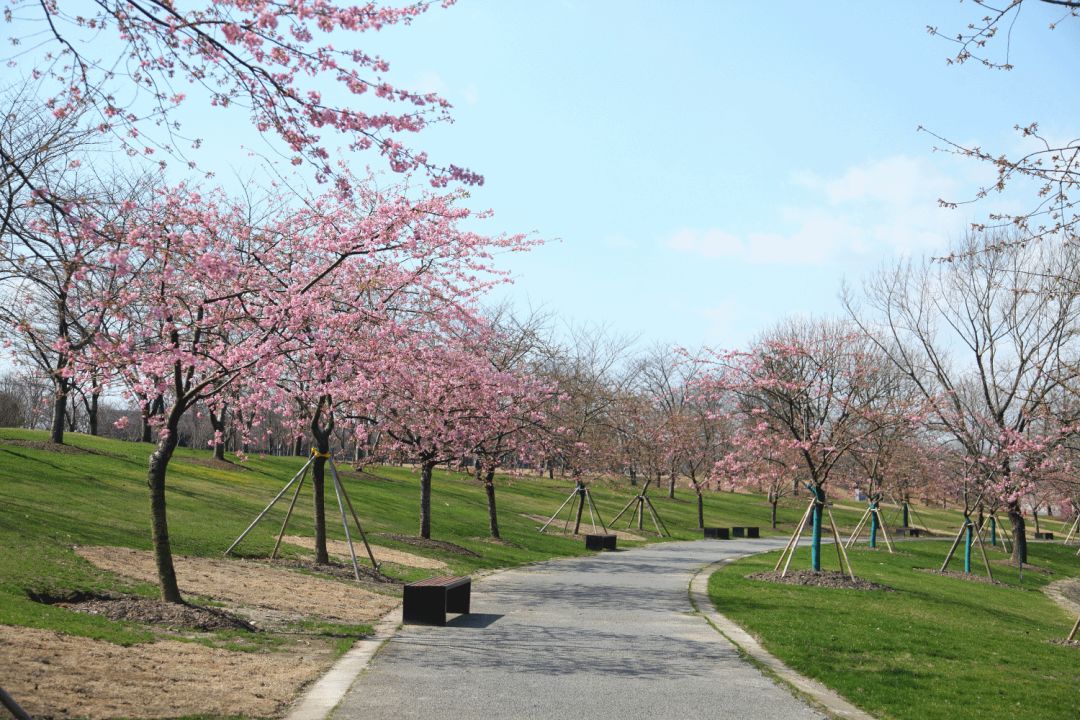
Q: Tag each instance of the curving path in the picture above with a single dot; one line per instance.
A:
(605, 636)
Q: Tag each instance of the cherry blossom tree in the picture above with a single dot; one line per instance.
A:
(131, 64)
(1047, 164)
(986, 339)
(804, 387)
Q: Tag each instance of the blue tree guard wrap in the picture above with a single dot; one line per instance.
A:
(873, 524)
(969, 532)
(815, 545)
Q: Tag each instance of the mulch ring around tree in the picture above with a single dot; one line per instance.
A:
(339, 570)
(970, 577)
(150, 611)
(825, 578)
(48, 446)
(428, 543)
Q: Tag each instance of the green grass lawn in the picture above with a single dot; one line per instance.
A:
(95, 494)
(937, 647)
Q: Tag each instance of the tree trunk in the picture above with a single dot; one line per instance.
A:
(633, 476)
(671, 485)
(1019, 528)
(92, 413)
(773, 501)
(217, 423)
(59, 414)
(581, 506)
(426, 467)
(489, 488)
(298, 446)
(159, 462)
(700, 509)
(321, 436)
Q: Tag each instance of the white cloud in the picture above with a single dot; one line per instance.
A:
(889, 204)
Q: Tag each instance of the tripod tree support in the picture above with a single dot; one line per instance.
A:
(260, 516)
(579, 498)
(643, 503)
(343, 501)
(793, 542)
(970, 533)
(873, 514)
(1074, 530)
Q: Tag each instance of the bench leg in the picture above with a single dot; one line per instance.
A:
(457, 599)
(424, 606)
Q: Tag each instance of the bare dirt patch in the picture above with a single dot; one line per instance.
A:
(1065, 593)
(212, 463)
(970, 577)
(247, 583)
(155, 612)
(433, 544)
(47, 446)
(826, 578)
(557, 528)
(61, 676)
(341, 549)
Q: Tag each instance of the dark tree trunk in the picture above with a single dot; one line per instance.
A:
(633, 476)
(59, 414)
(773, 502)
(489, 488)
(582, 498)
(671, 485)
(426, 468)
(92, 413)
(1019, 529)
(159, 462)
(321, 435)
(217, 423)
(298, 446)
(700, 509)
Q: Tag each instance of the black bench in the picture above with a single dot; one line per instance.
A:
(426, 602)
(747, 532)
(600, 542)
(717, 533)
(1044, 536)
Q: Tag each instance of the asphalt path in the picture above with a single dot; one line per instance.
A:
(606, 636)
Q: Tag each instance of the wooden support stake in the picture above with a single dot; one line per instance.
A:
(572, 496)
(592, 506)
(982, 549)
(657, 520)
(884, 531)
(267, 508)
(1072, 635)
(288, 515)
(952, 549)
(836, 539)
(798, 536)
(16, 710)
(858, 528)
(794, 537)
(348, 502)
(345, 525)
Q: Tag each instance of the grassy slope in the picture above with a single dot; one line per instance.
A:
(50, 501)
(937, 648)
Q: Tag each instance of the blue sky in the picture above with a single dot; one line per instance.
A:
(702, 169)
(706, 168)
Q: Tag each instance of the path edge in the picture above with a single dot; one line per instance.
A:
(828, 700)
(322, 696)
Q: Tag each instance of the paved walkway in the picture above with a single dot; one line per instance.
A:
(606, 636)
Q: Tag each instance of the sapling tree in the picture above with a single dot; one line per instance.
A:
(806, 387)
(985, 339)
